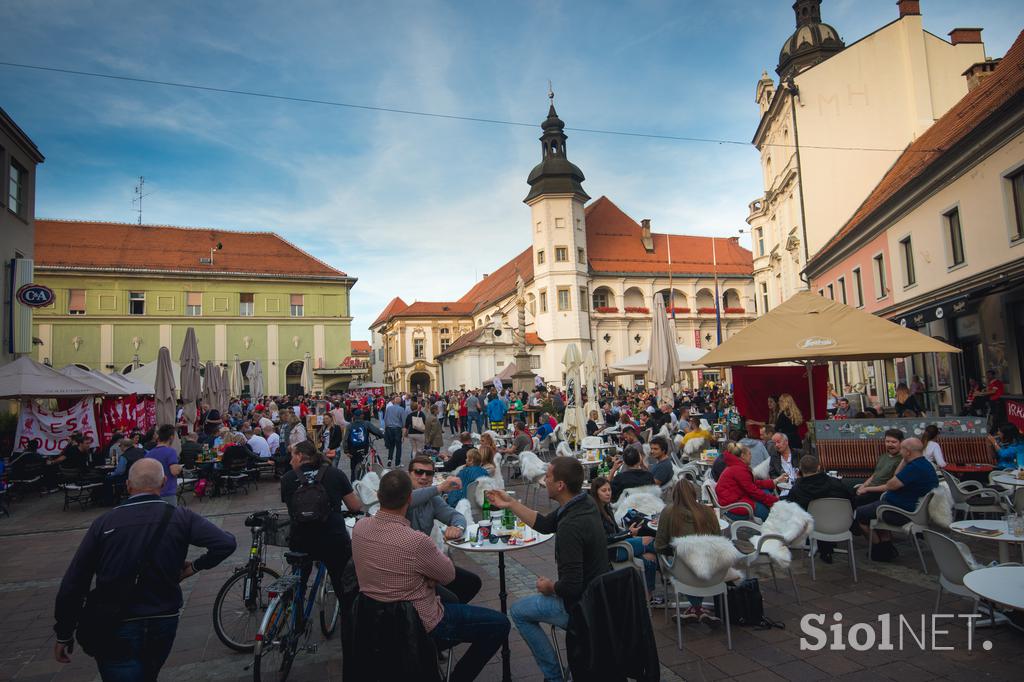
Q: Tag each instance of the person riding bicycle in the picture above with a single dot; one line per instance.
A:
(356, 441)
(319, 529)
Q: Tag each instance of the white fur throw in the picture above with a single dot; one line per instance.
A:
(498, 476)
(761, 470)
(454, 446)
(940, 508)
(563, 450)
(483, 484)
(693, 447)
(532, 467)
(466, 509)
(706, 555)
(645, 499)
(791, 522)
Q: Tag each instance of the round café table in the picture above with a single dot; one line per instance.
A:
(1002, 585)
(1004, 538)
(500, 548)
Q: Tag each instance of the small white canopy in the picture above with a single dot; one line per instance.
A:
(95, 379)
(689, 358)
(131, 385)
(26, 378)
(146, 374)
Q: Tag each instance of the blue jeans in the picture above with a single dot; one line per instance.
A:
(528, 614)
(138, 650)
(650, 567)
(484, 629)
(475, 418)
(760, 511)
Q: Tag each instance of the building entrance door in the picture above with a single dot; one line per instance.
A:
(419, 381)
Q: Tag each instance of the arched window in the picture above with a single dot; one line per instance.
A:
(293, 378)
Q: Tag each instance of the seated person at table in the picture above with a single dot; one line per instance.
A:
(629, 436)
(601, 491)
(487, 452)
(662, 469)
(1008, 447)
(844, 411)
(190, 449)
(737, 484)
(458, 458)
(906, 403)
(467, 474)
(592, 428)
(758, 449)
(885, 469)
(815, 484)
(521, 442)
(396, 563)
(915, 479)
(684, 516)
(932, 449)
(784, 459)
(693, 431)
(428, 506)
(581, 555)
(633, 474)
(664, 416)
(545, 431)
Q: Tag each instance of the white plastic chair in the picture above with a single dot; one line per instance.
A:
(832, 519)
(685, 583)
(712, 498)
(972, 498)
(955, 561)
(917, 522)
(759, 557)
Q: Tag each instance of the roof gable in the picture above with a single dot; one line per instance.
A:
(502, 281)
(396, 305)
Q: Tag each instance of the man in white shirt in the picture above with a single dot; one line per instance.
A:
(259, 444)
(273, 440)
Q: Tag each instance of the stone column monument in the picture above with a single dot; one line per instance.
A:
(523, 379)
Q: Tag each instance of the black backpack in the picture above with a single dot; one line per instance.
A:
(310, 502)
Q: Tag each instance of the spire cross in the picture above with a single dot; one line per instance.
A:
(551, 93)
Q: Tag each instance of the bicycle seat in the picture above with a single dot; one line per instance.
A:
(256, 519)
(298, 558)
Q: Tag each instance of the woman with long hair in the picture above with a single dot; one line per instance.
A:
(467, 474)
(788, 420)
(931, 446)
(906, 403)
(601, 491)
(685, 515)
(487, 452)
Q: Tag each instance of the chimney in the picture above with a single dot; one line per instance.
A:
(909, 7)
(645, 235)
(979, 72)
(965, 35)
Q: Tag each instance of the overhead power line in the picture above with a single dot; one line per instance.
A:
(424, 114)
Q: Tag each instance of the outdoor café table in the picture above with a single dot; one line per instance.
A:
(1008, 478)
(1002, 585)
(1004, 538)
(500, 548)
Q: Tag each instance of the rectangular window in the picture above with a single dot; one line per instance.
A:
(561, 254)
(956, 237)
(296, 305)
(563, 299)
(842, 289)
(764, 297)
(759, 238)
(543, 301)
(194, 303)
(907, 254)
(583, 299)
(831, 292)
(858, 288)
(581, 257)
(444, 344)
(417, 348)
(246, 305)
(136, 303)
(16, 189)
(559, 222)
(881, 286)
(601, 299)
(540, 257)
(76, 301)
(1017, 189)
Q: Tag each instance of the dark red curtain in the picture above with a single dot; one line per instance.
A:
(753, 385)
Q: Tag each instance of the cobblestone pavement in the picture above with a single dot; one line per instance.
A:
(37, 541)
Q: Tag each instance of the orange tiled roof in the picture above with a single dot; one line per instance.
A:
(533, 340)
(502, 281)
(125, 246)
(435, 309)
(396, 305)
(361, 347)
(1005, 83)
(472, 336)
(613, 245)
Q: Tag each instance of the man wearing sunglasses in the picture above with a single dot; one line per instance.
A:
(426, 506)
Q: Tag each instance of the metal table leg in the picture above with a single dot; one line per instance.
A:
(506, 662)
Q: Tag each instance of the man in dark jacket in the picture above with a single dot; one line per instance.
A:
(634, 475)
(815, 484)
(114, 550)
(581, 555)
(356, 441)
(458, 458)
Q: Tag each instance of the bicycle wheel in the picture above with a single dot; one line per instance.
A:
(330, 607)
(234, 620)
(275, 644)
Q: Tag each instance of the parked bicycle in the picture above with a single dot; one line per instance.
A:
(371, 462)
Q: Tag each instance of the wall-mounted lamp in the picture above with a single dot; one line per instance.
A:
(109, 366)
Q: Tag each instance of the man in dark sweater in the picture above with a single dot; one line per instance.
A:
(458, 458)
(580, 554)
(633, 475)
(815, 484)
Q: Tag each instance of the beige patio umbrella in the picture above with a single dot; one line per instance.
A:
(590, 379)
(809, 329)
(223, 389)
(574, 421)
(307, 373)
(210, 385)
(662, 360)
(237, 382)
(164, 388)
(191, 382)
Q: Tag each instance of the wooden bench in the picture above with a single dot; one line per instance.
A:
(856, 458)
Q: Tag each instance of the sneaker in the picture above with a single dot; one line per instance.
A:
(657, 602)
(708, 618)
(692, 614)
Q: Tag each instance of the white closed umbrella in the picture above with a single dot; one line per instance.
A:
(255, 374)
(164, 389)
(662, 361)
(590, 378)
(223, 389)
(574, 421)
(688, 356)
(307, 374)
(237, 382)
(210, 385)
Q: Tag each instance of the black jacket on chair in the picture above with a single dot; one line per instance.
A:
(610, 636)
(387, 643)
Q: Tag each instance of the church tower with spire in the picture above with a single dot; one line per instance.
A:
(558, 225)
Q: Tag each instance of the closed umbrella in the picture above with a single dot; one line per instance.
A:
(164, 388)
(255, 374)
(191, 382)
(307, 374)
(210, 385)
(223, 390)
(237, 382)
(573, 410)
(590, 378)
(662, 361)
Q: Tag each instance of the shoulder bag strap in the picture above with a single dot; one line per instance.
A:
(147, 554)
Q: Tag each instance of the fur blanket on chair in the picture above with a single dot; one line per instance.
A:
(466, 509)
(563, 450)
(366, 488)
(761, 470)
(707, 555)
(454, 446)
(533, 469)
(940, 508)
(483, 484)
(693, 448)
(645, 499)
(791, 522)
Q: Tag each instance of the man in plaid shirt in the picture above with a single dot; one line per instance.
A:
(396, 563)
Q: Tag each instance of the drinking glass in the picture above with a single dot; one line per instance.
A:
(1017, 529)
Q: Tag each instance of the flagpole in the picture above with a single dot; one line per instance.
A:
(671, 291)
(718, 310)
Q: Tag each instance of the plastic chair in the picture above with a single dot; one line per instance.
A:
(685, 583)
(832, 519)
(758, 557)
(955, 561)
(712, 497)
(917, 522)
(971, 497)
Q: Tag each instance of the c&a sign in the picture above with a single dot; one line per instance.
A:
(35, 295)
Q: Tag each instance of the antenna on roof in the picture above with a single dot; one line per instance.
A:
(139, 194)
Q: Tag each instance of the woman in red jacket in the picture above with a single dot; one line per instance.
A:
(737, 484)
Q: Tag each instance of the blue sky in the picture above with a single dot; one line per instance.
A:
(412, 206)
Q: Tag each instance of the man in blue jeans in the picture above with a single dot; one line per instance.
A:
(396, 563)
(148, 538)
(581, 555)
(394, 422)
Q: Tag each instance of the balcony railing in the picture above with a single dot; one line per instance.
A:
(735, 311)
